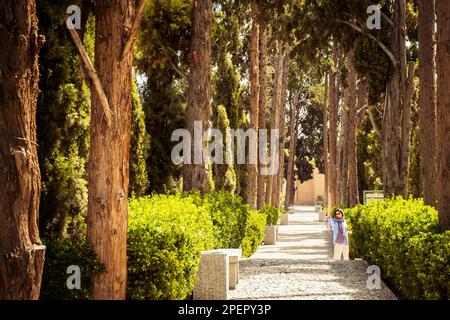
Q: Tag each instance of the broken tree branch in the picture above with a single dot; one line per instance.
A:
(391, 23)
(98, 88)
(378, 42)
(361, 110)
(374, 123)
(134, 29)
(176, 69)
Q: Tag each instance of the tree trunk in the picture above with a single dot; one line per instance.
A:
(109, 147)
(195, 176)
(325, 138)
(427, 100)
(342, 167)
(292, 145)
(254, 106)
(278, 191)
(397, 113)
(21, 252)
(348, 134)
(356, 116)
(406, 130)
(262, 104)
(333, 106)
(443, 112)
(274, 124)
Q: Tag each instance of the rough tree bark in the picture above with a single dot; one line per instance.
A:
(348, 132)
(333, 110)
(262, 104)
(427, 100)
(342, 160)
(355, 118)
(443, 112)
(195, 176)
(326, 158)
(252, 185)
(116, 30)
(392, 112)
(21, 252)
(274, 120)
(397, 106)
(278, 191)
(397, 111)
(290, 179)
(406, 129)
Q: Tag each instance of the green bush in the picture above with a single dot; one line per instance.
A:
(235, 224)
(273, 214)
(402, 237)
(59, 255)
(254, 233)
(229, 216)
(165, 239)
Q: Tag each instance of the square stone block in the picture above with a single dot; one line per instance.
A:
(212, 277)
(271, 235)
(234, 256)
(284, 219)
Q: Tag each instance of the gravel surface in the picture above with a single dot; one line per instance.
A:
(300, 267)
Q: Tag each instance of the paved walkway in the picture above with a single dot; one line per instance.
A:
(300, 267)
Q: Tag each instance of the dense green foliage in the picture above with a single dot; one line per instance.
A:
(165, 238)
(62, 125)
(224, 174)
(369, 156)
(254, 233)
(162, 59)
(235, 224)
(273, 214)
(229, 216)
(402, 237)
(167, 234)
(230, 66)
(59, 255)
(309, 148)
(140, 143)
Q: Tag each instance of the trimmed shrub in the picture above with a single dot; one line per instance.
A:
(272, 213)
(59, 255)
(229, 216)
(235, 224)
(254, 232)
(166, 235)
(402, 237)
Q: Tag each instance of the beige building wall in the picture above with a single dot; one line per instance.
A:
(306, 193)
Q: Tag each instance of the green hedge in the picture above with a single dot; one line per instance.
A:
(59, 255)
(235, 224)
(402, 237)
(254, 233)
(273, 214)
(165, 238)
(166, 235)
(229, 216)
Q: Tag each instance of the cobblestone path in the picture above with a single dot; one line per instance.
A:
(300, 267)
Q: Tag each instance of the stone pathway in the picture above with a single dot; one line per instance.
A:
(300, 267)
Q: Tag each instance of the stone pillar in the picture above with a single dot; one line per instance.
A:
(212, 277)
(271, 235)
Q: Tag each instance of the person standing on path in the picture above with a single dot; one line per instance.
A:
(340, 235)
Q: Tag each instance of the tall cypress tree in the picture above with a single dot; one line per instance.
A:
(62, 124)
